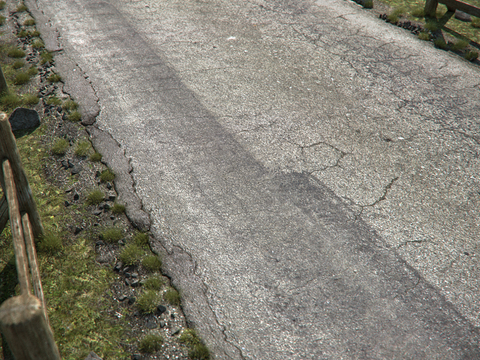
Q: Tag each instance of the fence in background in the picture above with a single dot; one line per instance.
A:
(23, 319)
(452, 5)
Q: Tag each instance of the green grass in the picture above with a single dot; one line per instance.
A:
(107, 175)
(30, 99)
(38, 44)
(53, 78)
(2, 20)
(130, 254)
(23, 33)
(18, 64)
(96, 157)
(150, 343)
(475, 23)
(45, 57)
(471, 55)
(112, 234)
(118, 208)
(70, 105)
(21, 8)
(393, 18)
(147, 302)
(441, 44)
(10, 101)
(16, 53)
(424, 36)
(2, 5)
(418, 12)
(368, 4)
(53, 100)
(460, 45)
(60, 147)
(172, 297)
(152, 263)
(197, 350)
(32, 71)
(74, 116)
(21, 78)
(50, 243)
(29, 22)
(83, 148)
(95, 197)
(141, 239)
(153, 283)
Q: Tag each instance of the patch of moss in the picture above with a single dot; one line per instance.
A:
(70, 105)
(10, 101)
(21, 78)
(29, 22)
(50, 243)
(18, 64)
(21, 8)
(45, 57)
(53, 100)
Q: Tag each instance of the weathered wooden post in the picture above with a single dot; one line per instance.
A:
(3, 83)
(431, 8)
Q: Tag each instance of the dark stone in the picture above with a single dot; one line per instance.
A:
(460, 15)
(127, 275)
(96, 212)
(136, 357)
(176, 331)
(99, 243)
(122, 297)
(151, 325)
(97, 174)
(109, 186)
(93, 356)
(59, 109)
(76, 169)
(112, 217)
(162, 324)
(106, 207)
(131, 300)
(172, 315)
(134, 275)
(135, 283)
(76, 197)
(66, 163)
(127, 282)
(121, 242)
(161, 309)
(64, 117)
(77, 230)
(118, 266)
(67, 203)
(23, 119)
(111, 198)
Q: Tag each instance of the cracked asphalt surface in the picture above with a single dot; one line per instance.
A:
(311, 172)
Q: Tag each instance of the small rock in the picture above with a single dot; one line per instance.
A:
(23, 119)
(118, 266)
(460, 15)
(67, 204)
(93, 356)
(151, 325)
(136, 357)
(59, 109)
(64, 117)
(121, 242)
(162, 324)
(99, 243)
(111, 198)
(161, 309)
(97, 174)
(135, 275)
(96, 212)
(112, 217)
(131, 301)
(96, 224)
(135, 283)
(67, 164)
(69, 190)
(172, 315)
(109, 186)
(106, 207)
(122, 297)
(127, 275)
(77, 230)
(176, 331)
(76, 197)
(76, 169)
(100, 207)
(136, 313)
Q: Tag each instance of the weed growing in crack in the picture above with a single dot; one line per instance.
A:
(32, 71)
(60, 147)
(30, 99)
(82, 149)
(424, 36)
(54, 101)
(18, 64)
(441, 44)
(53, 78)
(21, 8)
(471, 55)
(431, 26)
(150, 343)
(172, 297)
(460, 45)
(95, 197)
(29, 22)
(45, 57)
(153, 283)
(38, 44)
(197, 350)
(130, 254)
(141, 239)
(16, 53)
(152, 263)
(70, 105)
(96, 157)
(74, 116)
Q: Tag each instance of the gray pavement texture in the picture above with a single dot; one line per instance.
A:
(310, 172)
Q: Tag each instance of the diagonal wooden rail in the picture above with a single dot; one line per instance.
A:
(452, 5)
(23, 319)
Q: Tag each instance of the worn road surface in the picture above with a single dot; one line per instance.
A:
(312, 172)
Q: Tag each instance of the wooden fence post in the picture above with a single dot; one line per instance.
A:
(26, 330)
(3, 83)
(8, 150)
(431, 8)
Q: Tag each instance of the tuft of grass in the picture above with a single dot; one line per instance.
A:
(34, 33)
(141, 239)
(172, 297)
(96, 157)
(60, 147)
(16, 53)
(38, 44)
(18, 64)
(23, 33)
(152, 263)
(53, 78)
(424, 36)
(29, 22)
(441, 44)
(10, 101)
(431, 26)
(418, 12)
(112, 234)
(74, 116)
(460, 45)
(21, 8)
(471, 55)
(50, 243)
(32, 70)
(30, 99)
(53, 100)
(150, 343)
(368, 4)
(2, 20)
(148, 301)
(118, 208)
(198, 350)
(107, 175)
(45, 57)
(70, 105)
(21, 78)
(392, 18)
(475, 23)
(82, 148)
(153, 283)
(95, 197)
(130, 254)
(2, 5)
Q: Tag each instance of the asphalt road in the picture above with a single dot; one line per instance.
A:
(311, 171)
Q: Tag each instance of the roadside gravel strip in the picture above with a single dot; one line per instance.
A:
(311, 172)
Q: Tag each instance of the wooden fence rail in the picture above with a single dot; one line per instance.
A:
(452, 5)
(23, 319)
